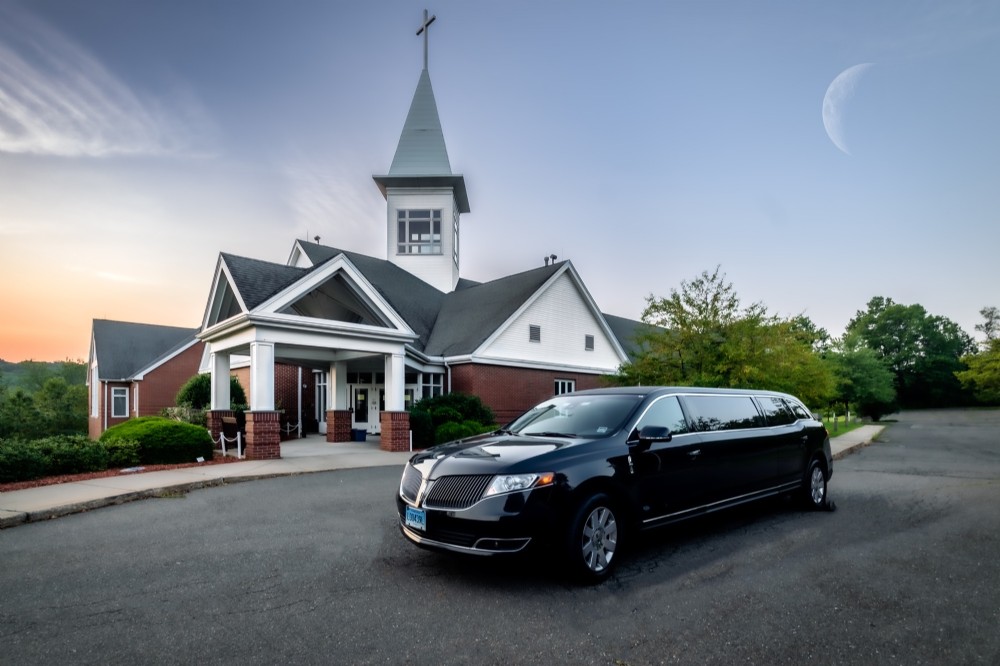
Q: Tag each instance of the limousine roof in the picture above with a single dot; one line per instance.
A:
(649, 390)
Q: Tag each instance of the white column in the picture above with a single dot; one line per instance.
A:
(261, 376)
(395, 382)
(220, 381)
(336, 388)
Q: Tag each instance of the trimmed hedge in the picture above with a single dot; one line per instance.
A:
(447, 417)
(163, 441)
(459, 430)
(23, 460)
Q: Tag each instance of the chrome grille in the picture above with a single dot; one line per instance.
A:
(410, 485)
(457, 492)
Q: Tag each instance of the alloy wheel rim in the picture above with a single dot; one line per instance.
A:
(818, 491)
(600, 539)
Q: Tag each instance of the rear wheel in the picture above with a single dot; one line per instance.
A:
(593, 539)
(814, 486)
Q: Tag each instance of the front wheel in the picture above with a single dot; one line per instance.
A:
(593, 539)
(814, 487)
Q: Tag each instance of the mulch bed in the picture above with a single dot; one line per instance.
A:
(217, 459)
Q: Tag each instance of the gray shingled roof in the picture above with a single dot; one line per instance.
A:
(256, 281)
(626, 331)
(123, 349)
(469, 316)
(452, 324)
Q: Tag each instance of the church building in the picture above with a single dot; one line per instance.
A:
(377, 334)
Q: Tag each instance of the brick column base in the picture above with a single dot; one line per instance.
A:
(395, 431)
(338, 425)
(214, 421)
(263, 435)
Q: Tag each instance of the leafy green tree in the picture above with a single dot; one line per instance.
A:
(34, 374)
(62, 407)
(197, 392)
(863, 380)
(922, 351)
(19, 417)
(983, 374)
(700, 336)
(991, 326)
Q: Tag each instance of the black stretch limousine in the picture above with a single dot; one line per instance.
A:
(583, 470)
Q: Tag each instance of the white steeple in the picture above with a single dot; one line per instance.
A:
(424, 199)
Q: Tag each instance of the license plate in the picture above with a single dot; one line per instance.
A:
(416, 518)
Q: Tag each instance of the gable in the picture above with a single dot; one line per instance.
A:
(564, 317)
(338, 298)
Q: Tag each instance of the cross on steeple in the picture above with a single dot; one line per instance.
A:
(423, 31)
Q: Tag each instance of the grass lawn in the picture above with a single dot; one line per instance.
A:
(841, 426)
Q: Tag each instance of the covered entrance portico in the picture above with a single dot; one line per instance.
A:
(336, 355)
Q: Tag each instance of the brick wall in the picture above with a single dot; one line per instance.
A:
(158, 390)
(286, 380)
(511, 391)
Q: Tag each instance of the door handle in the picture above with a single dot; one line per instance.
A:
(694, 454)
(805, 439)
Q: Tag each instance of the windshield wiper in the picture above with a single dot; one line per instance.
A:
(568, 435)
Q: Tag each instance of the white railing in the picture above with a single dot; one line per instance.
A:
(289, 427)
(238, 439)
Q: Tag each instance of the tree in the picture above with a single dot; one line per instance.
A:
(863, 379)
(922, 351)
(62, 407)
(983, 374)
(197, 392)
(991, 326)
(19, 417)
(699, 336)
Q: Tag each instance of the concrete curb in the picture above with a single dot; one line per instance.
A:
(15, 518)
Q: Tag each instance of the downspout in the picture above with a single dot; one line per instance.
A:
(298, 391)
(448, 373)
(104, 406)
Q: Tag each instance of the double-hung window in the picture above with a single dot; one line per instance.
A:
(119, 402)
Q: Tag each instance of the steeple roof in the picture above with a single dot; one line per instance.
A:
(421, 158)
(421, 150)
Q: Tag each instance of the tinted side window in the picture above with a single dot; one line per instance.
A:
(797, 409)
(665, 412)
(775, 411)
(716, 412)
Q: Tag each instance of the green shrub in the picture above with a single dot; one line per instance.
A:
(163, 441)
(458, 430)
(442, 415)
(72, 454)
(423, 429)
(470, 407)
(20, 461)
(122, 453)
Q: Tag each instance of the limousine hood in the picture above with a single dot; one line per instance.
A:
(485, 454)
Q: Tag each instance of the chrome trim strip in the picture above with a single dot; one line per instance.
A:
(416, 538)
(728, 502)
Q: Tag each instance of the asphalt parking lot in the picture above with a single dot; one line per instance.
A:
(311, 569)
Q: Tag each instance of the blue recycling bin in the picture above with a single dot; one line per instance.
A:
(359, 434)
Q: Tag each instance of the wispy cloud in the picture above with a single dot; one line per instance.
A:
(345, 209)
(58, 99)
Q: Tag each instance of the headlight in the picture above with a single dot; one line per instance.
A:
(510, 483)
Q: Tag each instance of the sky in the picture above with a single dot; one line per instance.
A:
(820, 153)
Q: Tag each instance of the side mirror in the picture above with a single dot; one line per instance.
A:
(651, 434)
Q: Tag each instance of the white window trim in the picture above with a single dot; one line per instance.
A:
(121, 391)
(564, 386)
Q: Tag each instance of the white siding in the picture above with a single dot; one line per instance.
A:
(565, 319)
(438, 270)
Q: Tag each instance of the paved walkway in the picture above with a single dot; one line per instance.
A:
(311, 454)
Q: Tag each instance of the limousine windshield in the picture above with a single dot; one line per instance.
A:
(578, 416)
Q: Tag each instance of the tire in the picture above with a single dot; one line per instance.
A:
(814, 489)
(593, 539)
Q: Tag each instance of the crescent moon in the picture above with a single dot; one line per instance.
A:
(837, 96)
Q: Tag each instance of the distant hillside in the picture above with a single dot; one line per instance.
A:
(30, 375)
